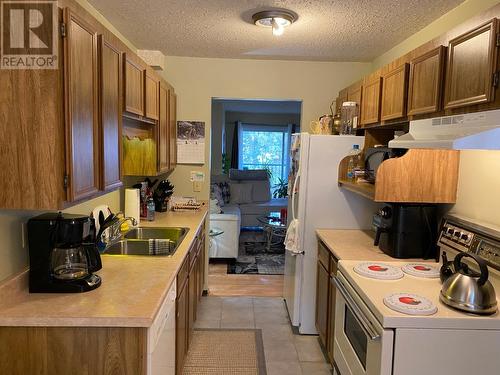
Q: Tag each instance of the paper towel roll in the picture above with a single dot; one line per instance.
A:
(132, 204)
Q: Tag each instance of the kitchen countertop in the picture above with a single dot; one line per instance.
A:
(353, 244)
(132, 291)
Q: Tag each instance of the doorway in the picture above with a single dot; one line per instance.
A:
(249, 194)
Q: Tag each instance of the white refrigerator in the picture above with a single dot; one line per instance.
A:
(317, 202)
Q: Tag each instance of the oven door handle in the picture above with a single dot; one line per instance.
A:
(360, 317)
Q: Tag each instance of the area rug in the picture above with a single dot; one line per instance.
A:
(226, 352)
(261, 264)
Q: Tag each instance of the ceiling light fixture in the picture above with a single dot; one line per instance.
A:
(277, 20)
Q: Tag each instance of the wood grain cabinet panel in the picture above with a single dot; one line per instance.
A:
(192, 299)
(163, 143)
(425, 84)
(370, 106)
(151, 96)
(322, 281)
(181, 328)
(58, 350)
(343, 97)
(331, 319)
(111, 114)
(134, 87)
(81, 102)
(355, 94)
(472, 61)
(394, 93)
(172, 111)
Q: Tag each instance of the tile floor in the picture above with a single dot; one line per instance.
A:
(286, 353)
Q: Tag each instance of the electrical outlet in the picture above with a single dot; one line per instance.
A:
(196, 186)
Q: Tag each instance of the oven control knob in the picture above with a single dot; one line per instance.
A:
(465, 237)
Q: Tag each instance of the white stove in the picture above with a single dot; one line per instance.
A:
(399, 326)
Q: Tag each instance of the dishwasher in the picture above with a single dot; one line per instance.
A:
(161, 337)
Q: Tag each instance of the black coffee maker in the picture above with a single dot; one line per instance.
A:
(406, 230)
(63, 254)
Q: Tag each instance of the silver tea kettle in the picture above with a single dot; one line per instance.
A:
(467, 290)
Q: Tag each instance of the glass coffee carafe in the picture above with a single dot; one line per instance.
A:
(69, 263)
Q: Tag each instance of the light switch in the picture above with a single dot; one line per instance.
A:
(196, 186)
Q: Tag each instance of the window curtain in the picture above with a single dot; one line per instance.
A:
(235, 149)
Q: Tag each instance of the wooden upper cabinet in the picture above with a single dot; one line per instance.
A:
(81, 107)
(471, 66)
(394, 93)
(355, 94)
(134, 87)
(425, 85)
(111, 114)
(151, 95)
(370, 105)
(163, 131)
(172, 111)
(341, 99)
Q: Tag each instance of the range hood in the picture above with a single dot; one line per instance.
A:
(472, 131)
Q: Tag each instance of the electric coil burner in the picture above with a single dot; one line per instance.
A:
(380, 271)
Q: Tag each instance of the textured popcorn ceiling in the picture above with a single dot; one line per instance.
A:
(349, 30)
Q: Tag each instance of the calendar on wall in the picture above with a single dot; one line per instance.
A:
(190, 142)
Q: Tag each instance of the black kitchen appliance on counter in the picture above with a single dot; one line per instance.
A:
(406, 230)
(63, 254)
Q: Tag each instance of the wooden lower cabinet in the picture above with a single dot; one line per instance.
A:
(73, 350)
(332, 291)
(325, 299)
(188, 296)
(322, 281)
(193, 298)
(181, 327)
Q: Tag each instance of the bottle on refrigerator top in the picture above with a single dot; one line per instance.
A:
(354, 162)
(349, 118)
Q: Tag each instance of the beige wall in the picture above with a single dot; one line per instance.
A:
(456, 16)
(479, 186)
(198, 80)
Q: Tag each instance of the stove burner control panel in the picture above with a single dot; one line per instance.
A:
(465, 236)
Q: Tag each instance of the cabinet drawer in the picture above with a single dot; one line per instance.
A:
(182, 275)
(324, 255)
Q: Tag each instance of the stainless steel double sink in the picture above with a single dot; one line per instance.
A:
(148, 241)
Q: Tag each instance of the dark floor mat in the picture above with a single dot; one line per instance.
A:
(261, 264)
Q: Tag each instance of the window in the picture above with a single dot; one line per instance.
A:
(265, 147)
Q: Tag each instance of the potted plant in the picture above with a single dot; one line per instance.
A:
(280, 189)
